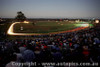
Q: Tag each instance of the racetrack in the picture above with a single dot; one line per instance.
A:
(11, 30)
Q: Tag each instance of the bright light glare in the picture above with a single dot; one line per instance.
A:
(10, 30)
(26, 22)
(96, 21)
(85, 25)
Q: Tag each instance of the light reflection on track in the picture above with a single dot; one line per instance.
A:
(11, 31)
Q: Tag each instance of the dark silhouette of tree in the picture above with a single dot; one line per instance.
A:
(20, 16)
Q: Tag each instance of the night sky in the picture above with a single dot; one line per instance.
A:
(51, 8)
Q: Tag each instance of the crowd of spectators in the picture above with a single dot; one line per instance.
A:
(78, 46)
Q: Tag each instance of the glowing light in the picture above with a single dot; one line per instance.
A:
(96, 21)
(10, 30)
(85, 25)
(26, 22)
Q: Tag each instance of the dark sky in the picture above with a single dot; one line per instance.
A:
(51, 8)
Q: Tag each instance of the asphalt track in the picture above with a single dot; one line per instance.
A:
(11, 31)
